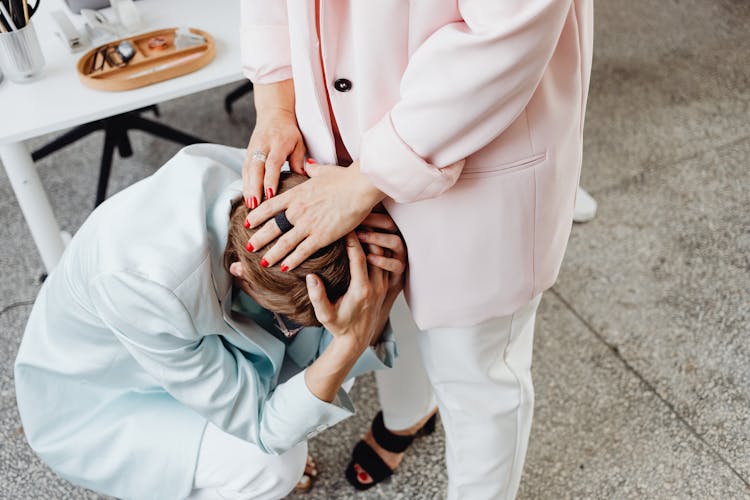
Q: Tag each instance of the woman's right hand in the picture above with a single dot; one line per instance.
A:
(277, 135)
(386, 250)
(354, 318)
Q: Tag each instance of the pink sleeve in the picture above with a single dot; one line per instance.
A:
(264, 39)
(461, 89)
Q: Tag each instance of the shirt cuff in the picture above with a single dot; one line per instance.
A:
(394, 168)
(266, 55)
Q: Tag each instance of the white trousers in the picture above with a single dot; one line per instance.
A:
(480, 378)
(230, 468)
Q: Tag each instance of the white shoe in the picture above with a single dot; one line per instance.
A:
(585, 208)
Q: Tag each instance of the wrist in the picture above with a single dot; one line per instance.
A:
(278, 96)
(328, 372)
(347, 348)
(274, 113)
(367, 190)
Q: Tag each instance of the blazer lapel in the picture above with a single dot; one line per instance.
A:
(248, 336)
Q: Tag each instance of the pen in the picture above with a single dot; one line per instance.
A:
(13, 10)
(8, 19)
(170, 64)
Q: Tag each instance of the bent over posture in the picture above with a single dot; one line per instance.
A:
(158, 364)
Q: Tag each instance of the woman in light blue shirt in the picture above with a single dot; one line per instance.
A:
(148, 371)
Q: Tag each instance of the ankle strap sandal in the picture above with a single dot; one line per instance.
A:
(365, 459)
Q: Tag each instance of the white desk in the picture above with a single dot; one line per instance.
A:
(58, 100)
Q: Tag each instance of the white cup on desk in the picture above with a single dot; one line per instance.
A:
(21, 57)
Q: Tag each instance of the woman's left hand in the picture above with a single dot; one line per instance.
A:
(331, 204)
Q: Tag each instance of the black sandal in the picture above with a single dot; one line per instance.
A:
(370, 461)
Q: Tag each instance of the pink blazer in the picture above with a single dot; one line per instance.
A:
(468, 115)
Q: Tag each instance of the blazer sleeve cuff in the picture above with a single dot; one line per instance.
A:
(397, 170)
(302, 414)
(266, 56)
(379, 356)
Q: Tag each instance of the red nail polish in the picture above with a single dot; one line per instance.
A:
(311, 161)
(269, 193)
(247, 224)
(253, 203)
(264, 263)
(284, 268)
(249, 247)
(363, 476)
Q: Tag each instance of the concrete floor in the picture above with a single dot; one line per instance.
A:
(642, 354)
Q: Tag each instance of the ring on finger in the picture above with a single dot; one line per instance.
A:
(259, 155)
(283, 222)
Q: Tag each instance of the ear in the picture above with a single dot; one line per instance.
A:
(236, 269)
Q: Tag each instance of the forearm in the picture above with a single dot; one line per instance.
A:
(325, 376)
(278, 95)
(417, 150)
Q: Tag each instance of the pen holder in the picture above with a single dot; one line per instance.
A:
(21, 57)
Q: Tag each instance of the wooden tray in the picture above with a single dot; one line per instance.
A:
(148, 65)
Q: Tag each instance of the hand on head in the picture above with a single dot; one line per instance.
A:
(275, 138)
(331, 204)
(322, 211)
(284, 291)
(279, 290)
(361, 313)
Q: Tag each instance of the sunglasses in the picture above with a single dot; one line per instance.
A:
(115, 56)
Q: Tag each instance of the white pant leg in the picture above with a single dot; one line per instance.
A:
(404, 391)
(482, 380)
(229, 468)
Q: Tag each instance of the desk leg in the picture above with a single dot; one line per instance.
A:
(34, 202)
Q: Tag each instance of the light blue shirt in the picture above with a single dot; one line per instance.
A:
(135, 342)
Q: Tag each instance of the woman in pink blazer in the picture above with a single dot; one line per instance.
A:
(465, 120)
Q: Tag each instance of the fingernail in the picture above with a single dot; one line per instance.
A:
(249, 247)
(246, 224)
(253, 203)
(264, 263)
(311, 280)
(362, 476)
(311, 161)
(284, 268)
(269, 193)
